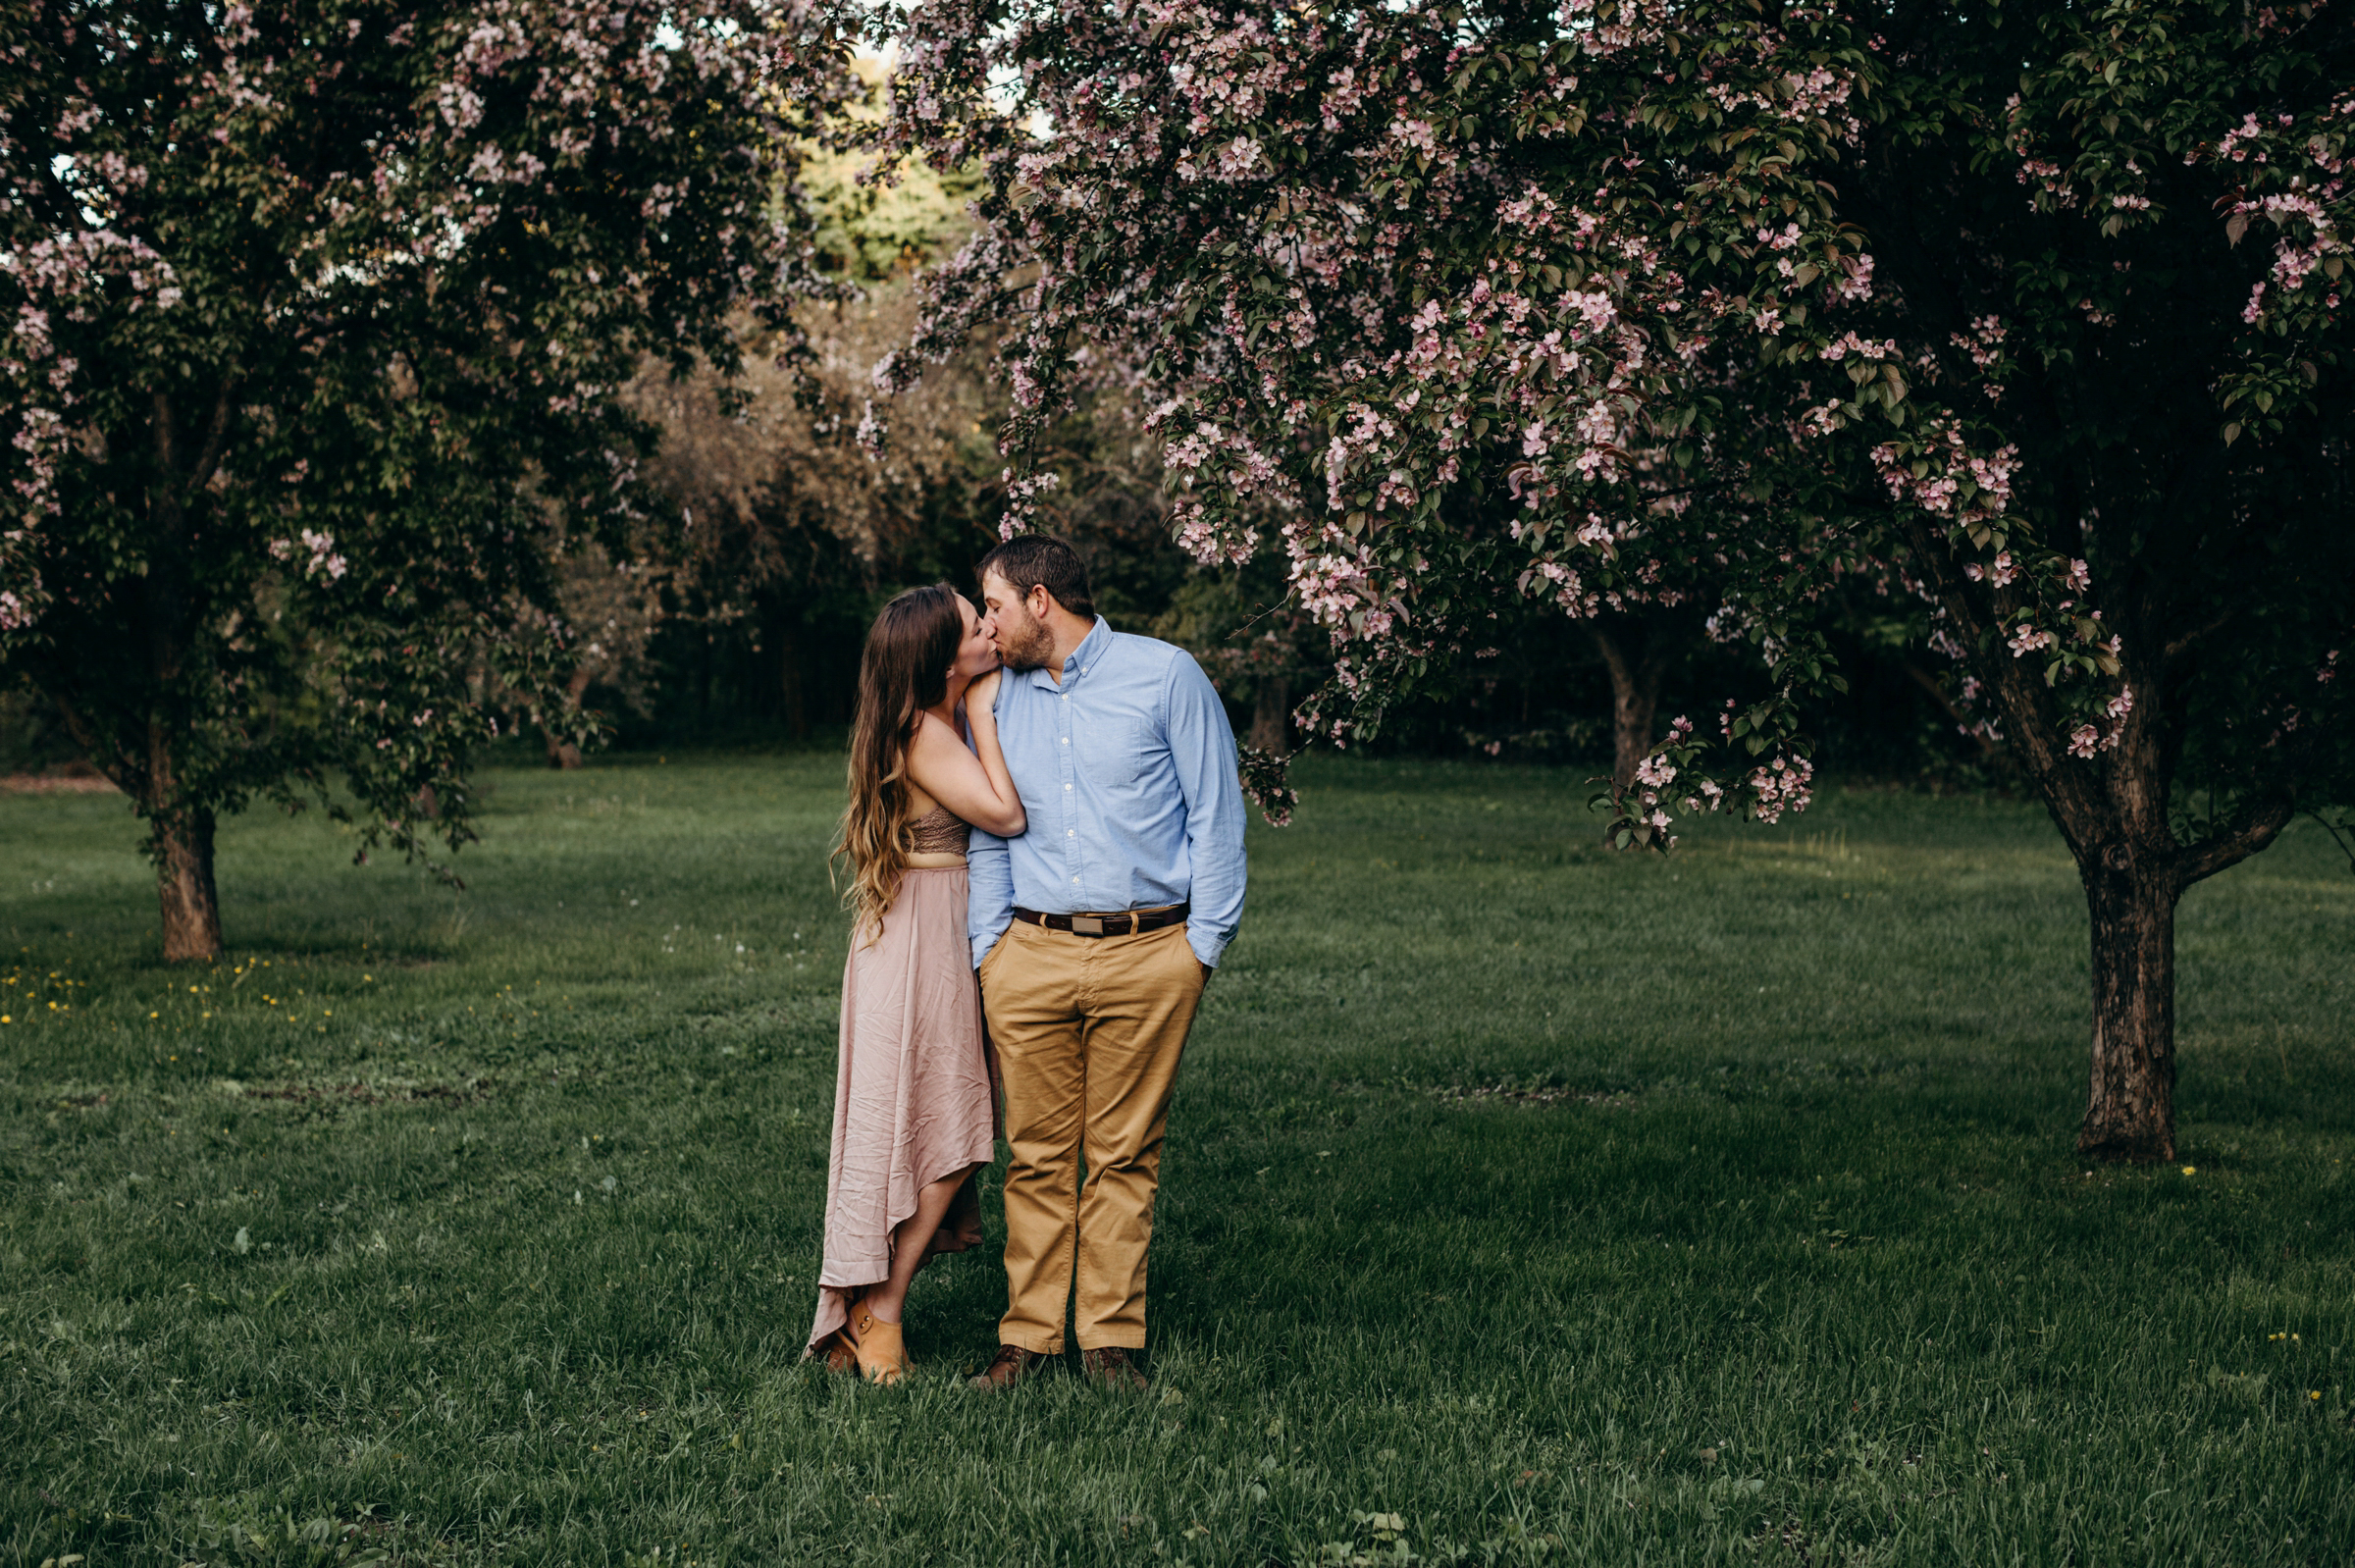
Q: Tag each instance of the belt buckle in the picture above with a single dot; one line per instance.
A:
(1087, 925)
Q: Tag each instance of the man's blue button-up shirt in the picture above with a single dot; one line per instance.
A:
(1126, 772)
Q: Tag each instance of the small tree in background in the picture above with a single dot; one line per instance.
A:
(2036, 314)
(608, 608)
(780, 531)
(1639, 644)
(314, 310)
(1253, 643)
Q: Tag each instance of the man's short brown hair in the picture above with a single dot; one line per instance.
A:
(1039, 560)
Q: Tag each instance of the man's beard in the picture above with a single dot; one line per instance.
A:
(1025, 647)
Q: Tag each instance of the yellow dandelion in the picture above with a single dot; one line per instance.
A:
(2191, 1169)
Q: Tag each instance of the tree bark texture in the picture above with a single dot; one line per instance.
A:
(2130, 1102)
(183, 883)
(1271, 716)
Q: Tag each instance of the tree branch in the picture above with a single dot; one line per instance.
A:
(2229, 847)
(125, 774)
(215, 437)
(2337, 837)
(2177, 646)
(1929, 683)
(167, 434)
(2020, 699)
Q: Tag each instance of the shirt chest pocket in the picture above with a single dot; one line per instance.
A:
(1118, 749)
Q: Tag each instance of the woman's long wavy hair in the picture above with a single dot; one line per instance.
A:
(903, 670)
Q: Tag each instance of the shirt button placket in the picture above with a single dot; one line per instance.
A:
(1070, 796)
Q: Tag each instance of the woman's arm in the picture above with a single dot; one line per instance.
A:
(974, 784)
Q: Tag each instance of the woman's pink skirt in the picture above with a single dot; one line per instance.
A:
(911, 1092)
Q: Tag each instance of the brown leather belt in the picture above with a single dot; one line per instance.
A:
(1136, 921)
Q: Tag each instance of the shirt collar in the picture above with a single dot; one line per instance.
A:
(1092, 647)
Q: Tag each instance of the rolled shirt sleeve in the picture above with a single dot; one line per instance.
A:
(989, 899)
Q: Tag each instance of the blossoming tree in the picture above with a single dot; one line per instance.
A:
(312, 313)
(2030, 314)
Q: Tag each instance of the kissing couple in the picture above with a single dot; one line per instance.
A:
(1045, 831)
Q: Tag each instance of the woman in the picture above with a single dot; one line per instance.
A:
(913, 1110)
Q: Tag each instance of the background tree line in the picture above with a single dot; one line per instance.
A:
(731, 612)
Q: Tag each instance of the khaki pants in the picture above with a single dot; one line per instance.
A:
(1088, 1032)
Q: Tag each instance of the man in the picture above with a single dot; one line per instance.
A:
(1094, 932)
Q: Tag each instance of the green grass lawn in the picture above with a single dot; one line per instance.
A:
(1523, 1203)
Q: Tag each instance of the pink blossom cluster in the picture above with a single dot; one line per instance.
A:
(73, 279)
(1786, 784)
(1021, 498)
(2027, 639)
(1984, 343)
(1431, 263)
(2051, 183)
(1937, 471)
(2087, 740)
(1849, 343)
(40, 385)
(323, 560)
(2001, 572)
(2305, 166)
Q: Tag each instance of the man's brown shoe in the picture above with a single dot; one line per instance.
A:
(1013, 1365)
(1111, 1367)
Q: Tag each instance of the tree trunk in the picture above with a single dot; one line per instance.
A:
(1634, 692)
(703, 684)
(2112, 809)
(2130, 1110)
(1271, 716)
(562, 754)
(185, 884)
(790, 686)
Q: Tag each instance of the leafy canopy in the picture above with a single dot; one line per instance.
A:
(312, 322)
(2027, 315)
